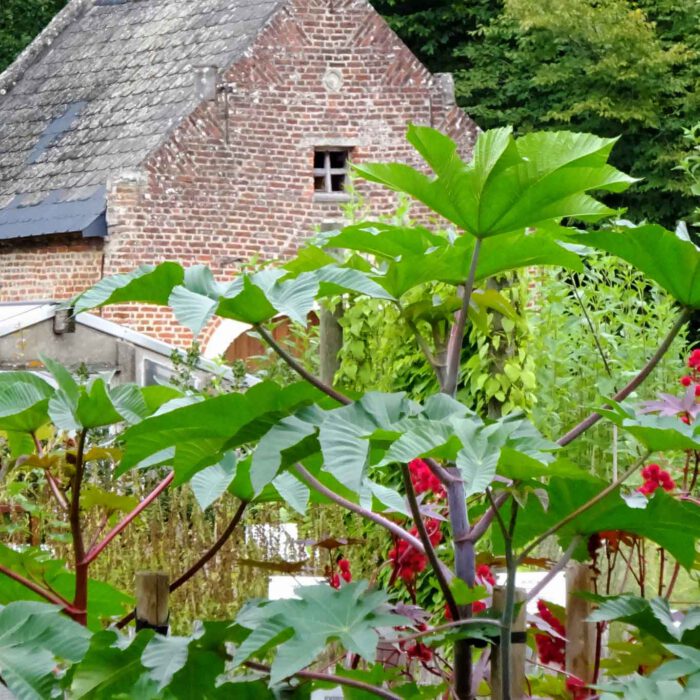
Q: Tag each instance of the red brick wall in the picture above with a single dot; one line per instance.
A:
(48, 268)
(207, 198)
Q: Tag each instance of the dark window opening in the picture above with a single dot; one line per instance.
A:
(330, 171)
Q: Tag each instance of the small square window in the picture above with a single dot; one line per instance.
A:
(330, 172)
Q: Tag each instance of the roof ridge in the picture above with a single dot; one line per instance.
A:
(41, 43)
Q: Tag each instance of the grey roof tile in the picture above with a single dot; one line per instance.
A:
(98, 91)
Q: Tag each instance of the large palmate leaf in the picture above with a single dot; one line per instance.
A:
(113, 668)
(670, 523)
(147, 284)
(24, 402)
(406, 257)
(510, 185)
(33, 638)
(652, 616)
(656, 432)
(74, 406)
(201, 432)
(672, 262)
(301, 628)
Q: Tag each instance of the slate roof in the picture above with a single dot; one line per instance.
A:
(98, 91)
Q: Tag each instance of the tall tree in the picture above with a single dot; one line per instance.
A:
(627, 67)
(20, 22)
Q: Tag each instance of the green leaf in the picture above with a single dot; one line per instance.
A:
(509, 185)
(669, 523)
(191, 309)
(33, 638)
(660, 254)
(212, 482)
(23, 406)
(203, 431)
(320, 615)
(111, 667)
(164, 657)
(147, 284)
(464, 595)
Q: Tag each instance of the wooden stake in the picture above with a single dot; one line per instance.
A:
(330, 342)
(152, 592)
(580, 635)
(517, 657)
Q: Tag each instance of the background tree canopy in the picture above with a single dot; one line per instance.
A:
(629, 67)
(20, 22)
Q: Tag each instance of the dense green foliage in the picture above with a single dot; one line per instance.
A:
(626, 67)
(20, 22)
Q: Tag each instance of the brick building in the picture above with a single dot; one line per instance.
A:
(203, 131)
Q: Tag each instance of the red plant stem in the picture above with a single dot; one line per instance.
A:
(49, 596)
(56, 490)
(482, 525)
(124, 523)
(395, 529)
(427, 544)
(662, 564)
(53, 484)
(330, 678)
(200, 563)
(209, 554)
(300, 369)
(672, 582)
(627, 390)
(81, 568)
(599, 629)
(454, 345)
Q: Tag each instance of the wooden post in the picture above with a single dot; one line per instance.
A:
(581, 635)
(152, 592)
(330, 342)
(518, 686)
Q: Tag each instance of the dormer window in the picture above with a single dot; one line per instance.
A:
(330, 173)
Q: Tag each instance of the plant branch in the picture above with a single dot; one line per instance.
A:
(300, 369)
(123, 524)
(49, 596)
(330, 678)
(559, 566)
(454, 346)
(427, 544)
(81, 573)
(482, 525)
(596, 339)
(395, 529)
(55, 489)
(583, 508)
(438, 367)
(627, 390)
(446, 626)
(200, 563)
(212, 551)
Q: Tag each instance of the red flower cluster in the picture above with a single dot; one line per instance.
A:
(418, 650)
(334, 578)
(550, 649)
(408, 561)
(578, 688)
(424, 480)
(694, 376)
(654, 477)
(485, 575)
